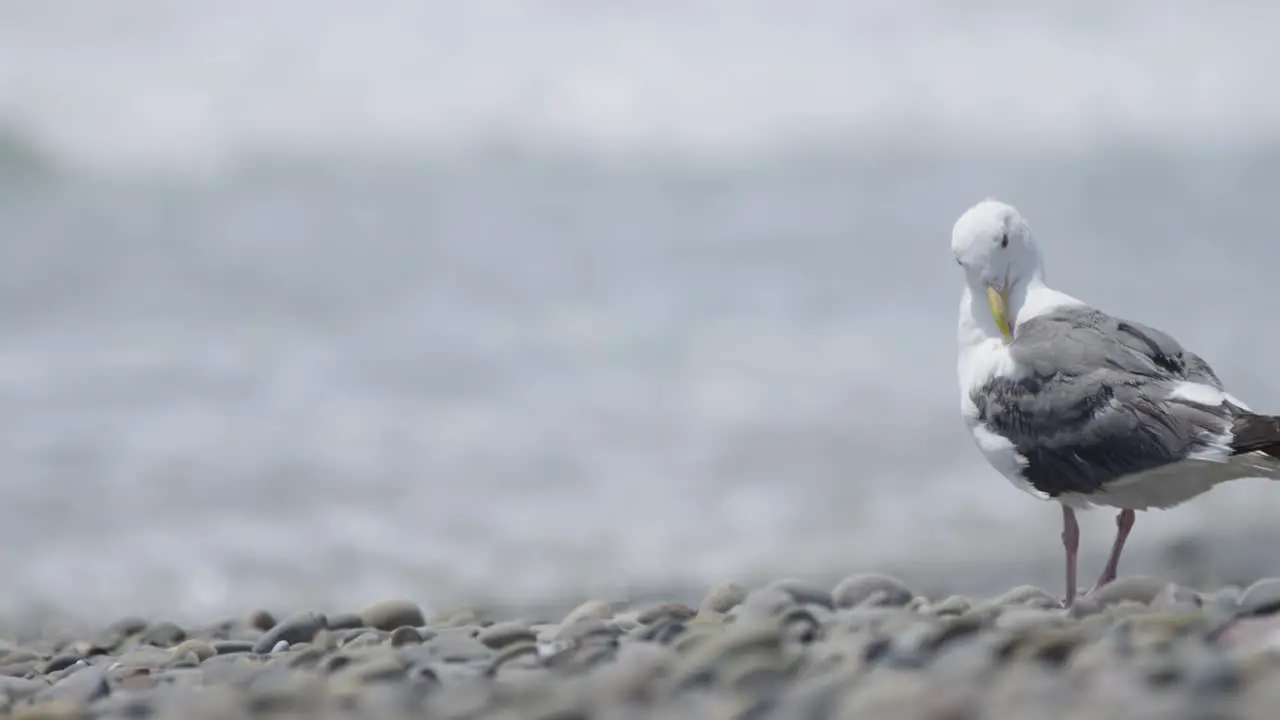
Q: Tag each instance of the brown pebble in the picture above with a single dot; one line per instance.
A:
(261, 620)
(392, 614)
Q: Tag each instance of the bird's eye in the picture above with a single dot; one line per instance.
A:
(1004, 241)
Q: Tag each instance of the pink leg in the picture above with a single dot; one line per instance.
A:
(1070, 543)
(1124, 523)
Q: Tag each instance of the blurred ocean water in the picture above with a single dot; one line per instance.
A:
(322, 302)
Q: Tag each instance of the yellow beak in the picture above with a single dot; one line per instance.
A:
(998, 299)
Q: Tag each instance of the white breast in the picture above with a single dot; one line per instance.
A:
(982, 358)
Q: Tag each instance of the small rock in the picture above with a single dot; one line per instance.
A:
(1261, 598)
(261, 620)
(83, 686)
(586, 629)
(405, 635)
(873, 590)
(1027, 596)
(500, 635)
(1135, 588)
(298, 628)
(384, 666)
(58, 662)
(805, 594)
(722, 598)
(392, 614)
(282, 646)
(201, 649)
(663, 611)
(163, 634)
(225, 647)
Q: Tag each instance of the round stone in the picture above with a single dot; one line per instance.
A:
(805, 593)
(500, 635)
(163, 634)
(393, 614)
(873, 590)
(722, 598)
(405, 635)
(298, 628)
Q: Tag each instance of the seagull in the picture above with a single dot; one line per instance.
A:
(1077, 406)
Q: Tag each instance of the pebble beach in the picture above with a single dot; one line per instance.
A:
(870, 647)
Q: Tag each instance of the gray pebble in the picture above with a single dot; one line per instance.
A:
(385, 666)
(804, 593)
(1261, 598)
(722, 598)
(392, 614)
(298, 628)
(58, 662)
(365, 638)
(664, 611)
(1027, 596)
(405, 635)
(587, 629)
(500, 635)
(871, 589)
(163, 634)
(282, 646)
(224, 647)
(82, 686)
(1135, 588)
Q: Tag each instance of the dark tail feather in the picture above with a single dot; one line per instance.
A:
(1256, 433)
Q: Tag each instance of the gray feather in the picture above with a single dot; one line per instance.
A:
(1094, 403)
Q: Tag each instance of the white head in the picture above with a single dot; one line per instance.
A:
(993, 243)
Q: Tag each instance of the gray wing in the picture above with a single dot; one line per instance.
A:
(1094, 404)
